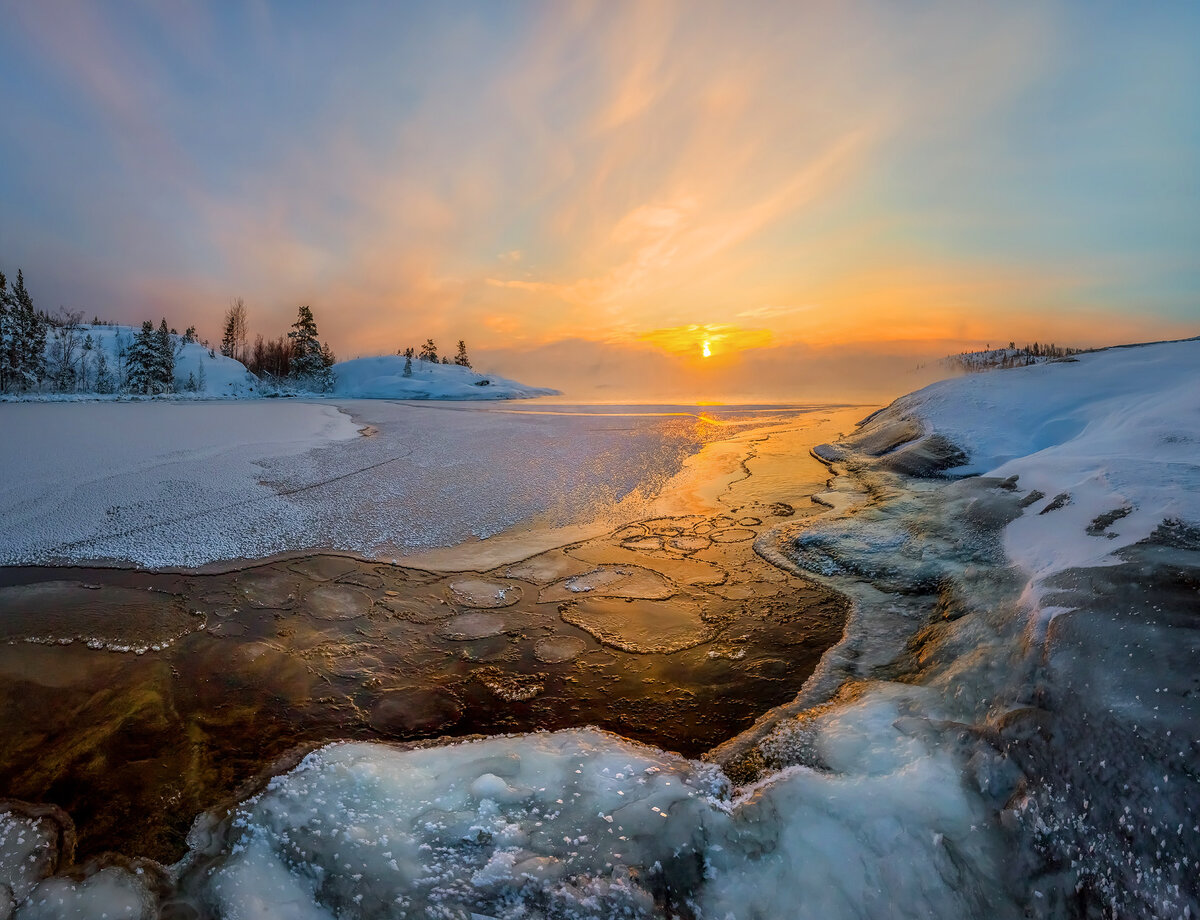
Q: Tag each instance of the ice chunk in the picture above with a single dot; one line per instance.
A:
(571, 824)
(336, 602)
(484, 593)
(643, 627)
(28, 852)
(610, 581)
(473, 626)
(555, 649)
(111, 893)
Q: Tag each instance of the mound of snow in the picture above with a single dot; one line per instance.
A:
(1111, 440)
(214, 374)
(383, 378)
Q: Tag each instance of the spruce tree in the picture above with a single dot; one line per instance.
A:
(27, 354)
(429, 352)
(164, 363)
(311, 363)
(141, 361)
(5, 333)
(461, 358)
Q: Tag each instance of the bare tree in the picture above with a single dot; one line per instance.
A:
(233, 342)
(66, 351)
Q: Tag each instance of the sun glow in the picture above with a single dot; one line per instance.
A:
(706, 351)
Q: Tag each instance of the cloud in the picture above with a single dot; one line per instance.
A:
(635, 175)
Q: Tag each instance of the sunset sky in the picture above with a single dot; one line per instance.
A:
(827, 194)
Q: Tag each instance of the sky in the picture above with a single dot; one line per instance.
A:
(626, 200)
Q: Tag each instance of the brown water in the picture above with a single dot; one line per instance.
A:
(136, 700)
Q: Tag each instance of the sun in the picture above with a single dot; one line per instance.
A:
(706, 350)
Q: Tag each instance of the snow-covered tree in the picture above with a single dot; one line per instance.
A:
(141, 360)
(429, 352)
(164, 359)
(67, 348)
(25, 338)
(105, 382)
(311, 362)
(408, 353)
(5, 332)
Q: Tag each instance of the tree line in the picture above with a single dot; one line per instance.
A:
(1012, 356)
(40, 352)
(429, 353)
(298, 356)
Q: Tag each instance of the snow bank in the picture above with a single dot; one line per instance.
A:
(204, 374)
(1109, 440)
(222, 377)
(383, 378)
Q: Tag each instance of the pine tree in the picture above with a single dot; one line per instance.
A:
(311, 362)
(201, 379)
(5, 333)
(461, 358)
(408, 353)
(164, 359)
(141, 360)
(27, 338)
(429, 352)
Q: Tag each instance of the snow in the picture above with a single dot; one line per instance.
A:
(93, 480)
(571, 824)
(223, 377)
(383, 378)
(165, 483)
(219, 377)
(580, 824)
(1113, 430)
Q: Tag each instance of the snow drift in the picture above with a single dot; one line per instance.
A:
(383, 378)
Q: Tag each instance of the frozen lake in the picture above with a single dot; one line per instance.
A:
(163, 484)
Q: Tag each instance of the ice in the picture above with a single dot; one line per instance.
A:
(267, 588)
(418, 709)
(110, 894)
(628, 581)
(481, 593)
(185, 484)
(641, 626)
(28, 852)
(473, 626)
(571, 824)
(555, 649)
(118, 619)
(336, 602)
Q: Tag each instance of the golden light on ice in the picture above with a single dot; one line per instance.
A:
(706, 351)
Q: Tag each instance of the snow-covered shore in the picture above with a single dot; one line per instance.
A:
(1008, 728)
(98, 354)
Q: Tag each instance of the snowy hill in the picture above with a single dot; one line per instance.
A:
(383, 378)
(97, 354)
(199, 372)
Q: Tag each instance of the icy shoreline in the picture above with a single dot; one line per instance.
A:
(1008, 727)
